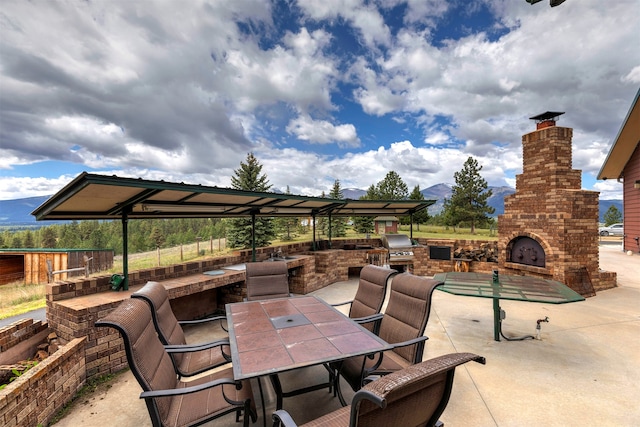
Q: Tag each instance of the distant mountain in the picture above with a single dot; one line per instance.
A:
(353, 193)
(17, 212)
(438, 191)
(441, 191)
(496, 200)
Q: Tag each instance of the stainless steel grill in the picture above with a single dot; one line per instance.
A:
(400, 248)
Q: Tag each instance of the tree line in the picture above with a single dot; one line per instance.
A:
(467, 206)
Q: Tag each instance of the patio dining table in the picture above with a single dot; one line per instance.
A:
(273, 336)
(506, 287)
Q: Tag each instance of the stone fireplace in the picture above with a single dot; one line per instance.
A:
(549, 228)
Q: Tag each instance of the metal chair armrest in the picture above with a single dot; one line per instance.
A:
(368, 319)
(188, 390)
(282, 416)
(187, 348)
(360, 396)
(341, 303)
(415, 341)
(202, 321)
(375, 318)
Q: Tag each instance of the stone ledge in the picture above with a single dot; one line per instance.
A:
(39, 393)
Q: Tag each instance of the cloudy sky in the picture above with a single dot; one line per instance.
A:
(317, 90)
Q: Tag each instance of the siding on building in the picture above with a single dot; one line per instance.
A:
(631, 199)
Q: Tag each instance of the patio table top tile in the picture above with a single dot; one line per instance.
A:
(271, 336)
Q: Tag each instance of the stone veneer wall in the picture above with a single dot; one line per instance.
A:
(550, 207)
(35, 397)
(22, 330)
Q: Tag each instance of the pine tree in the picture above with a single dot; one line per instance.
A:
(338, 225)
(364, 224)
(422, 216)
(468, 202)
(249, 177)
(157, 237)
(287, 225)
(28, 239)
(612, 216)
(392, 187)
(49, 238)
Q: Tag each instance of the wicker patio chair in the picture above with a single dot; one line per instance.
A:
(403, 325)
(367, 303)
(209, 355)
(172, 402)
(414, 396)
(267, 280)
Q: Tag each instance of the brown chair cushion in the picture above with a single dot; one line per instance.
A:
(267, 280)
(414, 396)
(152, 367)
(407, 313)
(372, 288)
(171, 333)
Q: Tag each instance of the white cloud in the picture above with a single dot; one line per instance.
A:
(297, 73)
(364, 17)
(22, 187)
(323, 132)
(633, 76)
(184, 92)
(609, 189)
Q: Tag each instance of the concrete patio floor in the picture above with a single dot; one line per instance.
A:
(585, 369)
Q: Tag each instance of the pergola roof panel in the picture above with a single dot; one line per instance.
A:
(91, 196)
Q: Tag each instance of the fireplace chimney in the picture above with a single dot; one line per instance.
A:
(546, 119)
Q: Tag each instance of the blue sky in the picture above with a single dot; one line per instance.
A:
(318, 90)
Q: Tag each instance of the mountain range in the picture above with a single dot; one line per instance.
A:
(441, 191)
(17, 212)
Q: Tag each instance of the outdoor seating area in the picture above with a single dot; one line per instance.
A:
(273, 332)
(582, 370)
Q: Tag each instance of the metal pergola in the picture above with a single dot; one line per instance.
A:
(102, 197)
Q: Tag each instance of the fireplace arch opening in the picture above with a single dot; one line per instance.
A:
(527, 251)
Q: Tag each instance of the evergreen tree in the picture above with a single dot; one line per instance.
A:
(49, 238)
(392, 187)
(468, 202)
(612, 216)
(322, 224)
(365, 224)
(420, 217)
(338, 225)
(249, 177)
(157, 237)
(16, 242)
(286, 226)
(28, 239)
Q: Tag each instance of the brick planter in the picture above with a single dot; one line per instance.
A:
(43, 390)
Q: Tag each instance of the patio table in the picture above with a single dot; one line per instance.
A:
(497, 287)
(272, 336)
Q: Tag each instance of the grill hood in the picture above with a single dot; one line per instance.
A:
(396, 241)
